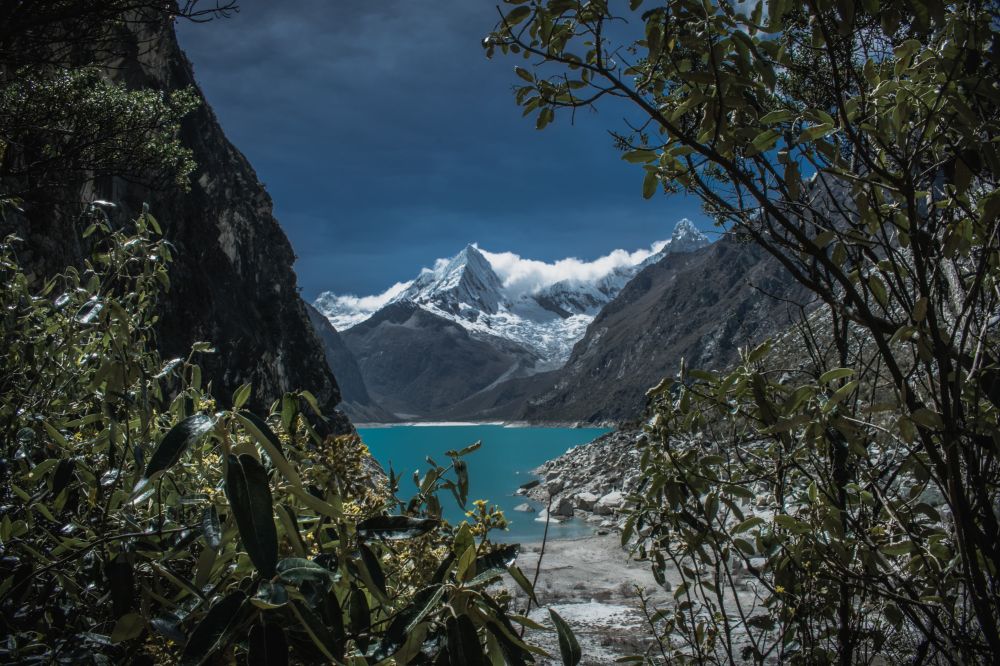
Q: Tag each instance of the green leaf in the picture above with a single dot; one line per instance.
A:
(250, 499)
(927, 418)
(317, 631)
(463, 643)
(241, 395)
(270, 595)
(211, 528)
(524, 74)
(545, 116)
(523, 582)
(267, 645)
(896, 549)
(649, 184)
(205, 637)
(525, 621)
(466, 564)
(792, 524)
(295, 570)
(376, 577)
(261, 432)
(568, 647)
(493, 564)
(835, 374)
(176, 441)
(360, 613)
(475, 446)
(778, 116)
(128, 627)
(640, 156)
(748, 524)
(517, 15)
(462, 472)
(764, 141)
(395, 527)
(815, 132)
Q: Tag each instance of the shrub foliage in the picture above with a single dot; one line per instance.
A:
(143, 521)
(835, 497)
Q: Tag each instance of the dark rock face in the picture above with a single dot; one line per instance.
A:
(417, 364)
(357, 403)
(701, 306)
(232, 277)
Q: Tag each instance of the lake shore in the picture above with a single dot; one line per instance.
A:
(592, 583)
(505, 424)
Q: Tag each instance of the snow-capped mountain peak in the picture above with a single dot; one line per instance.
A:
(686, 238)
(466, 281)
(543, 306)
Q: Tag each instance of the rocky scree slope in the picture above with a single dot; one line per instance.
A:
(232, 278)
(590, 481)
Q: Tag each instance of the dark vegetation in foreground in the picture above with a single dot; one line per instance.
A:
(149, 516)
(831, 499)
(834, 497)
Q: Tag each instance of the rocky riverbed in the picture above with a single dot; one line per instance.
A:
(589, 482)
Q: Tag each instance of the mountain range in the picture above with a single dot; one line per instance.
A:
(463, 341)
(545, 314)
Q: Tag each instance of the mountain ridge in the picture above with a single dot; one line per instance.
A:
(546, 320)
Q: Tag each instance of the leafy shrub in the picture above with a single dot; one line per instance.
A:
(143, 521)
(837, 502)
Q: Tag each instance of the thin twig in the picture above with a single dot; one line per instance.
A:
(538, 564)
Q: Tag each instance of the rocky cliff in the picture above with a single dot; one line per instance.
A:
(232, 278)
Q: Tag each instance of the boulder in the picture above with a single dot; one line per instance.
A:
(555, 485)
(612, 500)
(586, 501)
(544, 516)
(524, 508)
(563, 507)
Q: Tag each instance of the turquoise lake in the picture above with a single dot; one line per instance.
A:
(496, 470)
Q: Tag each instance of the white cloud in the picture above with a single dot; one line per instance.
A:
(525, 276)
(346, 311)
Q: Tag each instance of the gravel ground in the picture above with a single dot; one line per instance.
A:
(591, 583)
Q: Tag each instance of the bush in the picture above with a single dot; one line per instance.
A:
(143, 522)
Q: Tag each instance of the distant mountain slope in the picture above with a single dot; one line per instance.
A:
(357, 403)
(700, 306)
(417, 364)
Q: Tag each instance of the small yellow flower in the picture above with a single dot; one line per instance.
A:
(779, 589)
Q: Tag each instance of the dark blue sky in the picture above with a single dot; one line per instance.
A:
(387, 139)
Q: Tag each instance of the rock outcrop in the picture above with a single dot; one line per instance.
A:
(232, 278)
(590, 481)
(417, 364)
